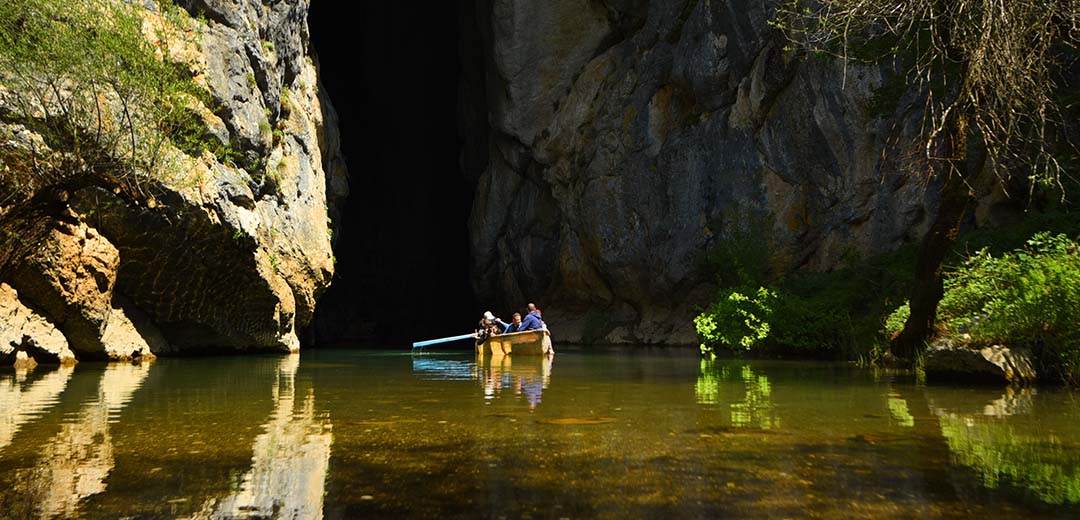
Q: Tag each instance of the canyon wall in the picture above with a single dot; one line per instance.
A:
(626, 153)
(222, 253)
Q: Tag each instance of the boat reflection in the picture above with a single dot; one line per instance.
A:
(22, 401)
(291, 457)
(528, 376)
(76, 462)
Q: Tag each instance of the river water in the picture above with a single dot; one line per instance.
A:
(641, 433)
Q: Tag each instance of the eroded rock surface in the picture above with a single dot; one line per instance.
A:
(626, 143)
(222, 253)
(23, 330)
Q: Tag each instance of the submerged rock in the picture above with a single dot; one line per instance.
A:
(948, 361)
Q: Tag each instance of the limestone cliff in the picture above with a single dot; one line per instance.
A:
(216, 257)
(625, 152)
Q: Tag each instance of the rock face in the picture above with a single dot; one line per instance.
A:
(617, 147)
(948, 361)
(219, 256)
(23, 330)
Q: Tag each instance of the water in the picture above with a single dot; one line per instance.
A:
(624, 434)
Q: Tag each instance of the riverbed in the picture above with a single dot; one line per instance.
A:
(622, 433)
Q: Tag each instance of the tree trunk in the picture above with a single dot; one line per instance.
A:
(939, 239)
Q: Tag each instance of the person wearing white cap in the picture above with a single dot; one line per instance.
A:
(490, 325)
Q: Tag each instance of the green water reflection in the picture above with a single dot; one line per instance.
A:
(619, 434)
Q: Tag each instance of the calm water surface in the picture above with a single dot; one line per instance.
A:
(624, 434)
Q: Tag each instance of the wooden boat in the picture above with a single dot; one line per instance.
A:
(529, 343)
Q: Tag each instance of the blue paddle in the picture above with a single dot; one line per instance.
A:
(419, 344)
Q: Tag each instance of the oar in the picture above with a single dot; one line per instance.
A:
(419, 344)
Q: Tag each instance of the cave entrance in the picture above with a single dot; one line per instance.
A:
(392, 71)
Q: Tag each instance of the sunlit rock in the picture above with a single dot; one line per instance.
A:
(948, 361)
(71, 279)
(23, 329)
(222, 252)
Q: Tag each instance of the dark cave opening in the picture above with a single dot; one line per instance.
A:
(392, 71)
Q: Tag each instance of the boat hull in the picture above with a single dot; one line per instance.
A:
(528, 343)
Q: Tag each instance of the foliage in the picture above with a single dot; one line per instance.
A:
(85, 76)
(1029, 297)
(1002, 454)
(824, 315)
(984, 74)
(894, 323)
(736, 322)
(985, 64)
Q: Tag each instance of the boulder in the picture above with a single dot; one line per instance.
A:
(947, 360)
(71, 279)
(123, 341)
(23, 361)
(25, 331)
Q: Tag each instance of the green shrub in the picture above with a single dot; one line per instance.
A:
(1029, 297)
(83, 75)
(736, 322)
(894, 323)
(810, 326)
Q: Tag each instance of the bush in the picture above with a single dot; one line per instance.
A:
(894, 323)
(1029, 297)
(85, 76)
(736, 322)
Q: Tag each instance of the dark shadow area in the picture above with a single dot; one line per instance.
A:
(392, 70)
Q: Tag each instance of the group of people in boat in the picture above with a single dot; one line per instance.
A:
(490, 325)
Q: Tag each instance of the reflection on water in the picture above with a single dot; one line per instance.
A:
(288, 471)
(898, 410)
(632, 434)
(528, 377)
(75, 463)
(22, 401)
(425, 366)
(1022, 453)
(750, 403)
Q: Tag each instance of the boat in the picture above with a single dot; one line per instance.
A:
(528, 343)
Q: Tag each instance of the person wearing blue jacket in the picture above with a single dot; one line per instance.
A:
(532, 321)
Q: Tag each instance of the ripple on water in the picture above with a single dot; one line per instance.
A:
(343, 434)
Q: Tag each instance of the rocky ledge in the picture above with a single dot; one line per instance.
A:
(947, 360)
(219, 257)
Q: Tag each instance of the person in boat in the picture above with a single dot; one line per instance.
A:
(486, 327)
(489, 326)
(515, 323)
(532, 320)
